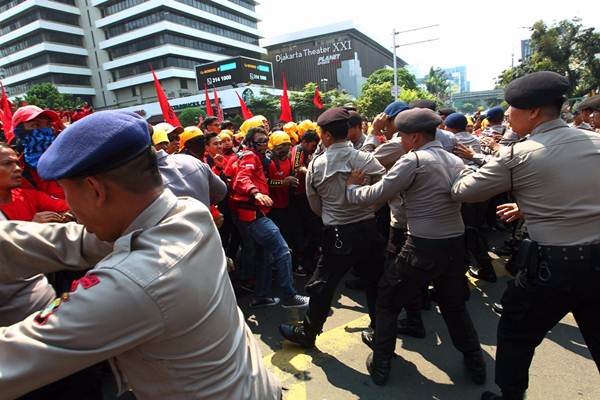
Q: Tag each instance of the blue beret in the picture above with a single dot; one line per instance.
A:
(395, 107)
(456, 121)
(495, 113)
(97, 143)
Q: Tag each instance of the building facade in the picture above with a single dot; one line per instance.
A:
(339, 56)
(102, 50)
(457, 77)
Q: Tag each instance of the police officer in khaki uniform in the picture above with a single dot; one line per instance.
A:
(435, 246)
(158, 302)
(350, 238)
(553, 177)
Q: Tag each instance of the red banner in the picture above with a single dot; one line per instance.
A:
(167, 111)
(286, 110)
(209, 110)
(317, 101)
(246, 113)
(6, 108)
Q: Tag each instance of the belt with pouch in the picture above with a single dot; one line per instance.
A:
(561, 254)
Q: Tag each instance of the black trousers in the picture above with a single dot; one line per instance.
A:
(532, 307)
(422, 261)
(306, 233)
(473, 215)
(357, 246)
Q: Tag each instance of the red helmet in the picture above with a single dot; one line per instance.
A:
(28, 113)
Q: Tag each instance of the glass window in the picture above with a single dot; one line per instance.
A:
(59, 79)
(43, 59)
(178, 19)
(183, 83)
(34, 15)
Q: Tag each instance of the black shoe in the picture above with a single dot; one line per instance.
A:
(264, 302)
(488, 275)
(476, 366)
(368, 337)
(355, 284)
(300, 271)
(297, 334)
(379, 370)
(411, 327)
(497, 308)
(502, 250)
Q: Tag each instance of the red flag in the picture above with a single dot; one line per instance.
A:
(167, 111)
(317, 101)
(246, 114)
(209, 110)
(217, 105)
(6, 116)
(286, 110)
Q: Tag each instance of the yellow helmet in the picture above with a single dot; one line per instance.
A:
(277, 138)
(159, 136)
(227, 132)
(168, 128)
(253, 122)
(308, 125)
(189, 133)
(224, 135)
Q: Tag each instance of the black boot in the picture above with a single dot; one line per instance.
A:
(368, 337)
(475, 366)
(378, 369)
(412, 325)
(298, 334)
(485, 274)
(490, 396)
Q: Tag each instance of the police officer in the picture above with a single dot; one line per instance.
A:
(434, 249)
(158, 302)
(550, 176)
(350, 238)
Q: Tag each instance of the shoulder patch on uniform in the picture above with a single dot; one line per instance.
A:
(42, 317)
(87, 282)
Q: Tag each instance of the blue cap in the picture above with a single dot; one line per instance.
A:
(395, 107)
(97, 143)
(495, 113)
(456, 121)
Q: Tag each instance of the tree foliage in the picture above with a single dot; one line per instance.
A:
(189, 116)
(565, 47)
(377, 91)
(437, 83)
(46, 95)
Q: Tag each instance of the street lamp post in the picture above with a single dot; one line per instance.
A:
(324, 84)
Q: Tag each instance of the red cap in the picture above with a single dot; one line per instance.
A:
(28, 113)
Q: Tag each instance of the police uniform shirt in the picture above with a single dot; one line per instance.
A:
(326, 183)
(185, 175)
(158, 304)
(387, 154)
(430, 212)
(555, 183)
(360, 142)
(446, 139)
(585, 126)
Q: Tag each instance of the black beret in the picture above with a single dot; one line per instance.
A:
(446, 111)
(423, 103)
(417, 120)
(97, 143)
(335, 114)
(536, 90)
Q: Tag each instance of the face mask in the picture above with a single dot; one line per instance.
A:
(35, 143)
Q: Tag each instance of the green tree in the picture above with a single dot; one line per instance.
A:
(374, 98)
(303, 106)
(189, 116)
(46, 95)
(266, 104)
(406, 80)
(565, 47)
(437, 83)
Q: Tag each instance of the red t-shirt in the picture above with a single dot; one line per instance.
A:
(26, 203)
(51, 188)
(278, 170)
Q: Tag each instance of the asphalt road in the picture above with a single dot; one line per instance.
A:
(427, 368)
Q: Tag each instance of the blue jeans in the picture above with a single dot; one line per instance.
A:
(266, 234)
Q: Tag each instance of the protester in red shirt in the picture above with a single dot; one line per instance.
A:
(34, 134)
(251, 203)
(24, 204)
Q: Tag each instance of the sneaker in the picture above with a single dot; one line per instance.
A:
(483, 274)
(264, 302)
(296, 301)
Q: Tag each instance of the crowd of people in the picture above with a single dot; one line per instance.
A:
(149, 234)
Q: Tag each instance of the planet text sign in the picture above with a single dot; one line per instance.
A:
(234, 71)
